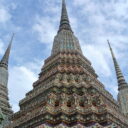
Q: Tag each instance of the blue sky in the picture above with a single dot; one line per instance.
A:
(35, 23)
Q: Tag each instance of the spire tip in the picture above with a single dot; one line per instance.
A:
(5, 59)
(64, 22)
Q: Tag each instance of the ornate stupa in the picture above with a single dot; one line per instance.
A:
(68, 92)
(5, 108)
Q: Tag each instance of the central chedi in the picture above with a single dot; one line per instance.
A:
(68, 92)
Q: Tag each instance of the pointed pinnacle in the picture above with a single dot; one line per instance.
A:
(110, 49)
(120, 78)
(64, 22)
(5, 59)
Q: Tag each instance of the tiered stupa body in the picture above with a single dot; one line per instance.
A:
(68, 92)
(5, 109)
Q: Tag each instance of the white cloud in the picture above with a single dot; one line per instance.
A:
(1, 47)
(99, 61)
(13, 6)
(21, 80)
(46, 25)
(4, 14)
(50, 6)
(45, 29)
